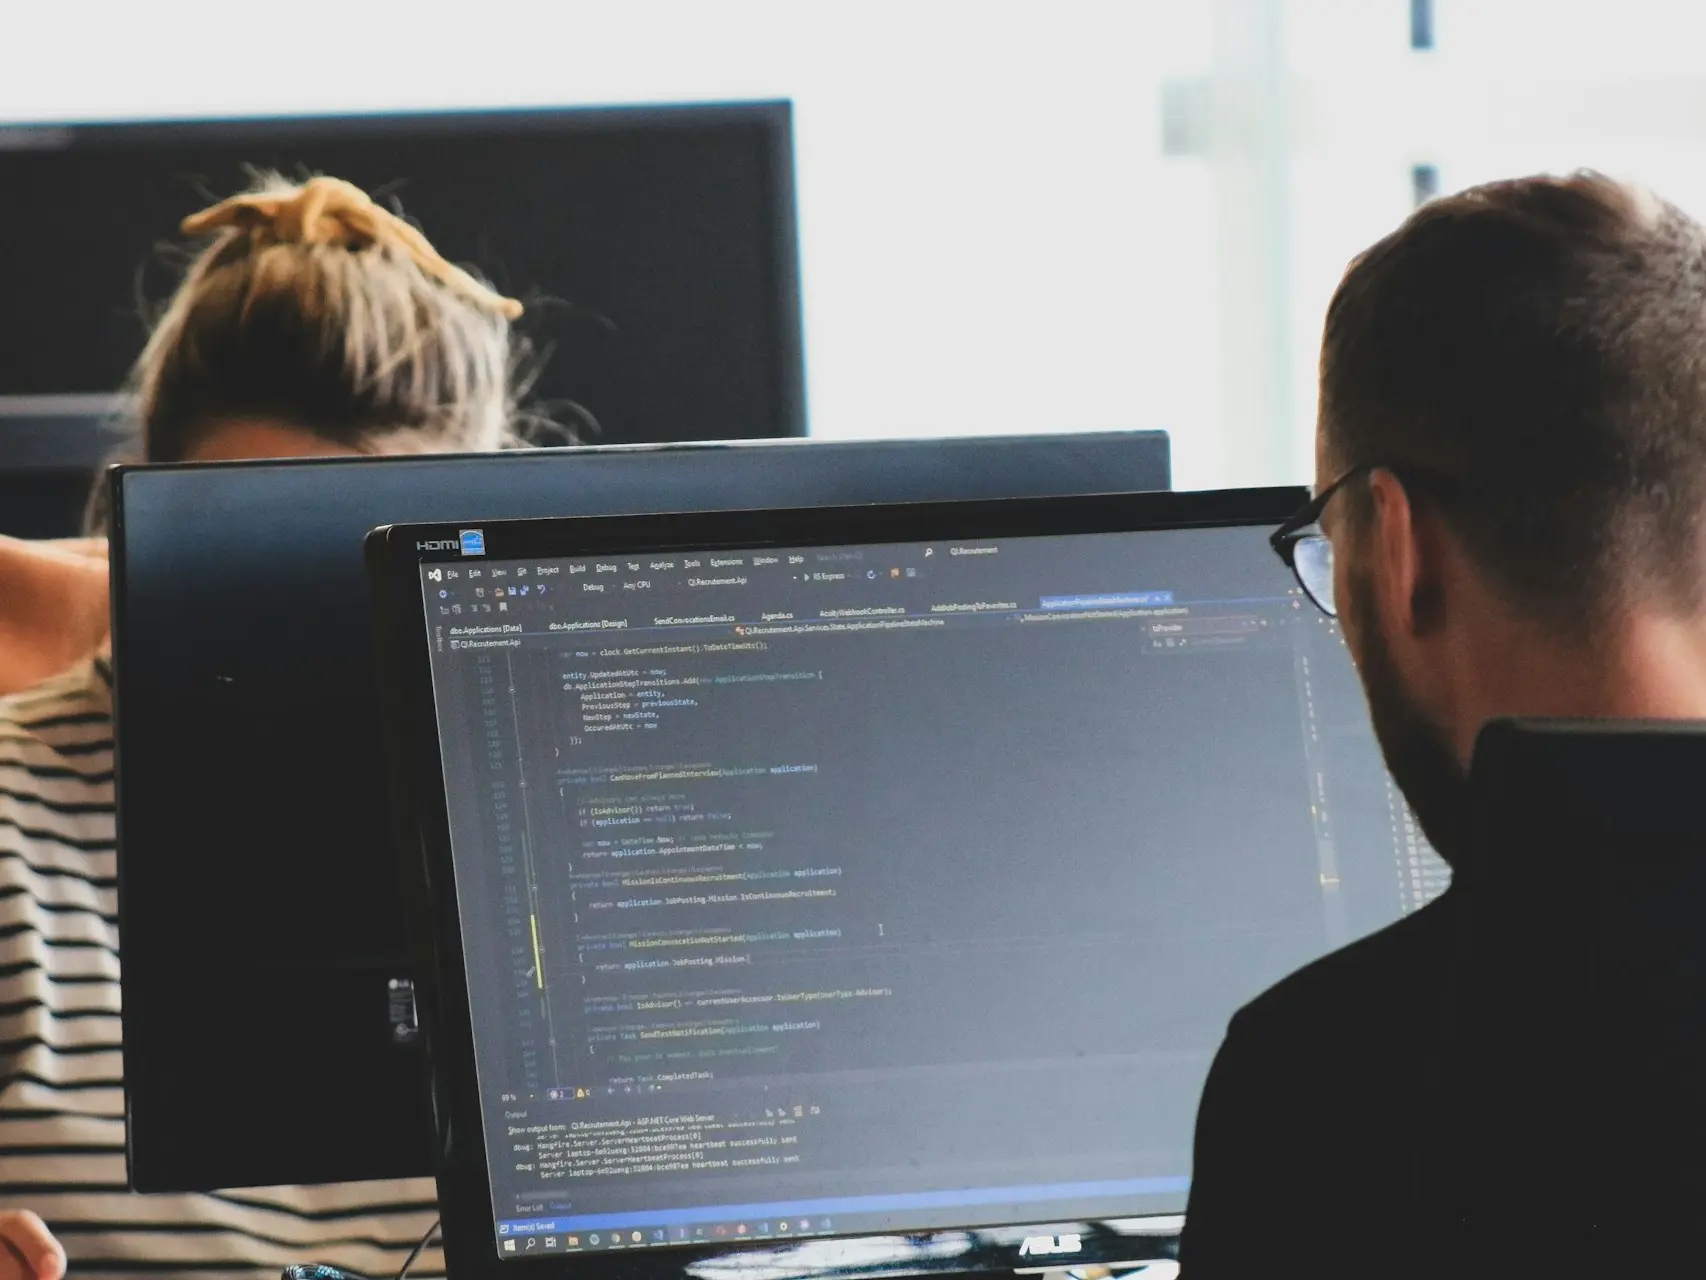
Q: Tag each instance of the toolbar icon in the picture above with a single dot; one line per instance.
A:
(509, 1246)
(435, 575)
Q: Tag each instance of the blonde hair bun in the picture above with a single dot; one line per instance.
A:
(310, 306)
(331, 211)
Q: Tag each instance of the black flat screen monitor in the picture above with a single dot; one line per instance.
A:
(884, 877)
(263, 933)
(655, 246)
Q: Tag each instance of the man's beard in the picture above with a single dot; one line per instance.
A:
(1418, 753)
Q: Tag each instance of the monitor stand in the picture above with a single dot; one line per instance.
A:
(1154, 1269)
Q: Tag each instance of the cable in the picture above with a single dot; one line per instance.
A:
(420, 1248)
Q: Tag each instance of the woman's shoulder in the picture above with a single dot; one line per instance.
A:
(53, 607)
(56, 774)
(67, 715)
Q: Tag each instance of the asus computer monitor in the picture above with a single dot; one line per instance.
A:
(268, 1028)
(654, 247)
(837, 892)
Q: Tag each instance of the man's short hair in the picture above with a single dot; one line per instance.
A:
(1543, 342)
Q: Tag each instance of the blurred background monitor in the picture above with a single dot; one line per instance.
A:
(654, 247)
(51, 449)
(268, 1029)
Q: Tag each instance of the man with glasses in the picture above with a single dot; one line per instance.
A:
(1510, 519)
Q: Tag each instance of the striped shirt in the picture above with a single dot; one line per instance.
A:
(61, 1069)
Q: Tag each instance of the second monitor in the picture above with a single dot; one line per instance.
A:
(264, 955)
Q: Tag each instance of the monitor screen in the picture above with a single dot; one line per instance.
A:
(248, 729)
(654, 246)
(884, 887)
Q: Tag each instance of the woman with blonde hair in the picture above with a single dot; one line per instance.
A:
(313, 322)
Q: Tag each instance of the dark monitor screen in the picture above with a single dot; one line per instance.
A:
(654, 246)
(837, 888)
(51, 448)
(263, 932)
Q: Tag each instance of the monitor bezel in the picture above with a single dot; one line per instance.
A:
(422, 836)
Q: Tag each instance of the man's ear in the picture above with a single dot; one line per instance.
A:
(1405, 568)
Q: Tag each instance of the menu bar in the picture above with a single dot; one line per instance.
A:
(515, 1242)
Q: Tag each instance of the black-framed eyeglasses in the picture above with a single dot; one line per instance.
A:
(1306, 550)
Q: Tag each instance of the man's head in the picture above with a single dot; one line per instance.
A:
(1523, 368)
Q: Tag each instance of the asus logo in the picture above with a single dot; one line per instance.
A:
(441, 544)
(1050, 1246)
